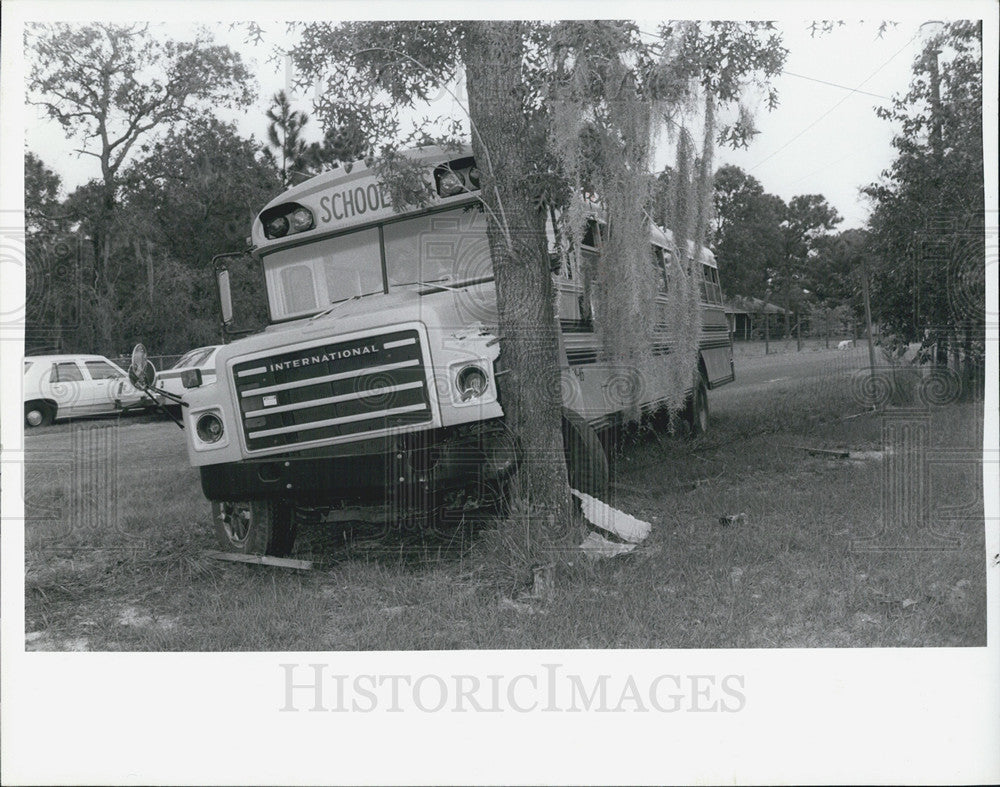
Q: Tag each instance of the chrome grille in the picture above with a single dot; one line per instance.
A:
(333, 390)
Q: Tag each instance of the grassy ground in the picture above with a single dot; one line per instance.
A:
(120, 565)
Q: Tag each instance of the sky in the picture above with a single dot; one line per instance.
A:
(824, 137)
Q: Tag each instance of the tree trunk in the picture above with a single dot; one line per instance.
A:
(529, 360)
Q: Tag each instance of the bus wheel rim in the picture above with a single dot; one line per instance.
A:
(237, 522)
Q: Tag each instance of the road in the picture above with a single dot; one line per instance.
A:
(754, 371)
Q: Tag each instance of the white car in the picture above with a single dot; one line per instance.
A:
(67, 386)
(169, 380)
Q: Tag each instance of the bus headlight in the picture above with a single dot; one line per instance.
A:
(276, 227)
(209, 428)
(287, 219)
(471, 382)
(449, 183)
(302, 220)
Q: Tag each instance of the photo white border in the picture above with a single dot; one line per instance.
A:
(811, 716)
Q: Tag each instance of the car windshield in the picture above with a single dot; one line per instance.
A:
(446, 246)
(194, 358)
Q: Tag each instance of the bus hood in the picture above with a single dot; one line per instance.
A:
(444, 313)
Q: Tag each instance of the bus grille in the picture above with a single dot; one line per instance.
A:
(334, 390)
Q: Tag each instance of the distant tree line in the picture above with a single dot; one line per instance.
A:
(922, 250)
(783, 253)
(127, 256)
(927, 240)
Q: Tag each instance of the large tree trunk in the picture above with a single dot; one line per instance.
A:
(529, 359)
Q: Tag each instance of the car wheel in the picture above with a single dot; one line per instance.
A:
(255, 527)
(696, 412)
(38, 414)
(586, 459)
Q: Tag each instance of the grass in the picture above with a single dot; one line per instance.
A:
(127, 571)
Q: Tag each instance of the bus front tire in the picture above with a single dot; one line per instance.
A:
(586, 459)
(255, 527)
(696, 411)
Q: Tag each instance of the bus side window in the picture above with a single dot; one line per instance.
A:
(593, 234)
(588, 262)
(711, 292)
(716, 286)
(668, 261)
(561, 266)
(658, 268)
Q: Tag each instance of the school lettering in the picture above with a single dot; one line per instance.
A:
(353, 201)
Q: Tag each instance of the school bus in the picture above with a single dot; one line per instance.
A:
(372, 393)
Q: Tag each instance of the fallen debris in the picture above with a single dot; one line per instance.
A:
(520, 606)
(839, 454)
(863, 456)
(266, 560)
(601, 515)
(597, 546)
(544, 582)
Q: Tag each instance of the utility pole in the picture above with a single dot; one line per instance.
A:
(868, 318)
(931, 52)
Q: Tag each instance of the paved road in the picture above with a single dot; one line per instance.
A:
(774, 369)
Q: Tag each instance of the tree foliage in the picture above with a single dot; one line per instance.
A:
(928, 220)
(807, 220)
(41, 195)
(110, 84)
(747, 236)
(113, 87)
(835, 271)
(286, 149)
(184, 198)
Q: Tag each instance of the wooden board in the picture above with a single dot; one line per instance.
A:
(265, 560)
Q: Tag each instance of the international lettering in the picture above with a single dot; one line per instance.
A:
(311, 360)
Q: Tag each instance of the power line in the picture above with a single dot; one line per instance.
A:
(824, 167)
(803, 76)
(817, 120)
(834, 84)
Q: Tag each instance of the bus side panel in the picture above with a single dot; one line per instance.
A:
(716, 347)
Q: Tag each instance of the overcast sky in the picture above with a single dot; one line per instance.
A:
(822, 139)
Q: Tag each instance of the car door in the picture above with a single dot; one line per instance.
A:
(103, 385)
(67, 387)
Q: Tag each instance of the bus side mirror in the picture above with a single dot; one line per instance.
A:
(141, 372)
(225, 296)
(227, 280)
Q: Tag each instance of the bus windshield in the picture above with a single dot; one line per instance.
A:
(446, 246)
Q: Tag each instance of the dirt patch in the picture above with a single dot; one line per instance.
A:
(45, 641)
(139, 618)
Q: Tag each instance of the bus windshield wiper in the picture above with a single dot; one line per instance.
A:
(333, 308)
(430, 287)
(338, 304)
